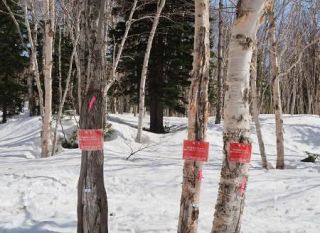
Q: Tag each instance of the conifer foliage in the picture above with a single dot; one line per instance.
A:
(13, 59)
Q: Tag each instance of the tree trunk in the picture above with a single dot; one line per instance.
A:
(145, 69)
(92, 198)
(64, 93)
(34, 67)
(294, 95)
(255, 110)
(155, 89)
(197, 119)
(220, 66)
(49, 20)
(276, 92)
(32, 107)
(234, 174)
(317, 96)
(4, 113)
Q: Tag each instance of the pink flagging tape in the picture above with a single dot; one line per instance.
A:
(92, 102)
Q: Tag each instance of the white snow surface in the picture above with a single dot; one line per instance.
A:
(40, 195)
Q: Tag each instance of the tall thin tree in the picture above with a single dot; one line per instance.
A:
(256, 110)
(49, 28)
(276, 91)
(234, 173)
(144, 71)
(220, 66)
(197, 119)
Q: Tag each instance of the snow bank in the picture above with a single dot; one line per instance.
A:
(40, 195)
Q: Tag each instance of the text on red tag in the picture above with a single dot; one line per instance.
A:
(195, 150)
(239, 152)
(91, 139)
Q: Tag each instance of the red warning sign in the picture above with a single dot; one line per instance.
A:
(195, 150)
(240, 152)
(91, 139)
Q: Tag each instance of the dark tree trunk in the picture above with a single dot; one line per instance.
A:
(156, 114)
(32, 105)
(4, 113)
(155, 85)
(92, 197)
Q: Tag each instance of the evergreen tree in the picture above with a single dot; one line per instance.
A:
(170, 59)
(12, 62)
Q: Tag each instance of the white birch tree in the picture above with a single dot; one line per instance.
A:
(234, 174)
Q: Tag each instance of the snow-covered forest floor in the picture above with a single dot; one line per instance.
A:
(40, 195)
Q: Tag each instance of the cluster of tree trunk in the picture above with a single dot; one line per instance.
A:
(284, 79)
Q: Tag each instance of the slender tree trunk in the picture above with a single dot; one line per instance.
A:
(64, 94)
(33, 40)
(255, 109)
(317, 105)
(294, 95)
(220, 66)
(92, 197)
(144, 71)
(32, 110)
(49, 13)
(234, 174)
(4, 113)
(276, 92)
(197, 119)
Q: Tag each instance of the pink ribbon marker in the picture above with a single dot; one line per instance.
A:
(92, 102)
(200, 175)
(243, 186)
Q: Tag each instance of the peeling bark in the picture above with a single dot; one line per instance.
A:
(234, 175)
(197, 119)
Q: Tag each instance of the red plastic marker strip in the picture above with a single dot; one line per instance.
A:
(243, 186)
(200, 175)
(92, 102)
(239, 152)
(91, 139)
(195, 150)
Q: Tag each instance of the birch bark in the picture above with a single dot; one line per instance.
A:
(197, 119)
(220, 66)
(234, 175)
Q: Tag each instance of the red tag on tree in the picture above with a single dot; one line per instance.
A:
(195, 150)
(240, 152)
(91, 139)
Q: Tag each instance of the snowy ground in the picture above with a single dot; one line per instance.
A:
(39, 195)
